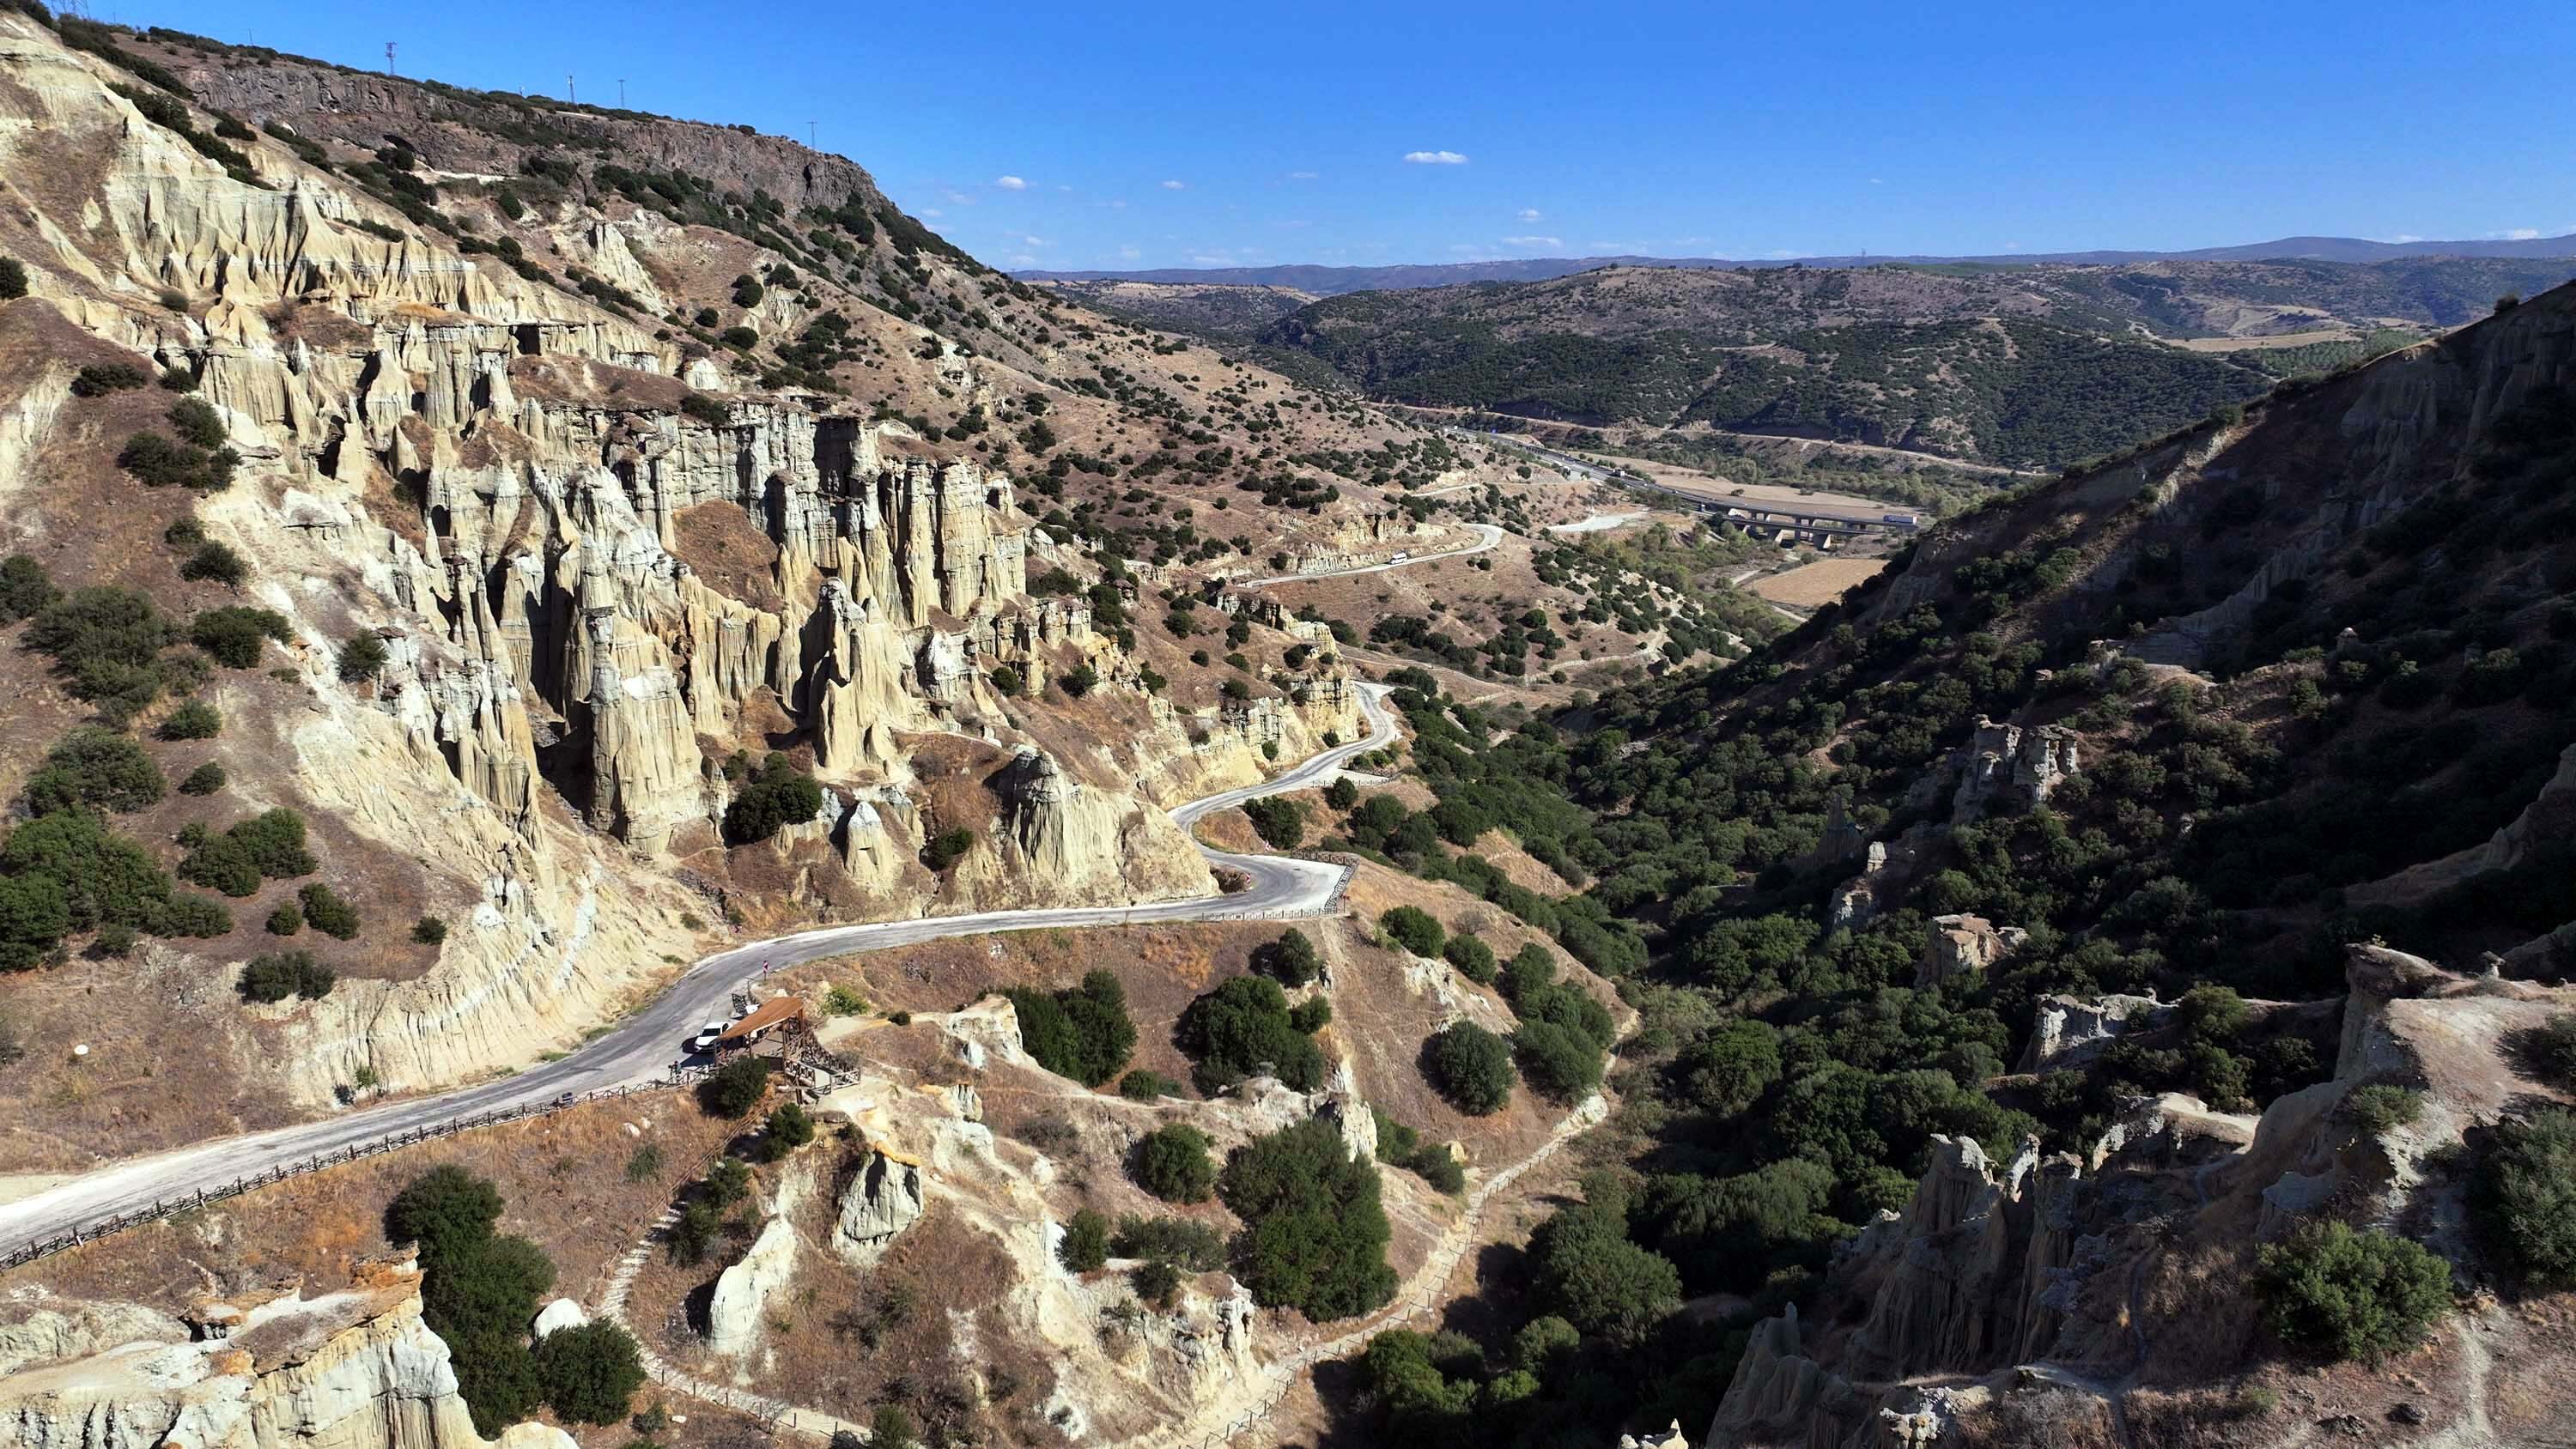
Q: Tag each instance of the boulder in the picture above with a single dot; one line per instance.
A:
(734, 1314)
(884, 1198)
(1960, 945)
(560, 1314)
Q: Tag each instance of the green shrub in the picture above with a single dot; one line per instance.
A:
(1311, 1015)
(2554, 1046)
(206, 779)
(107, 642)
(1143, 1085)
(193, 720)
(1184, 1242)
(362, 657)
(217, 563)
(1585, 1270)
(1291, 960)
(99, 379)
(1243, 1027)
(1086, 1242)
(1558, 1064)
(24, 589)
(2523, 1194)
(220, 863)
(177, 378)
(159, 462)
(589, 1374)
(479, 1292)
(34, 918)
(328, 913)
(780, 795)
(1439, 1167)
(644, 1164)
(732, 1090)
(2378, 1107)
(1173, 1164)
(2349, 1294)
(788, 1128)
(1006, 681)
(728, 1182)
(1156, 1282)
(233, 636)
(1728, 1070)
(94, 876)
(1279, 821)
(278, 975)
(196, 422)
(95, 769)
(947, 848)
(1471, 1067)
(1082, 1032)
(1316, 1233)
(1473, 958)
(1412, 928)
(428, 931)
(1341, 794)
(286, 920)
(705, 409)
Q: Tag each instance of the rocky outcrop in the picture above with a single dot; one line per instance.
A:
(2011, 767)
(742, 1293)
(1091, 845)
(2068, 1030)
(561, 1314)
(1963, 945)
(356, 1369)
(1354, 1120)
(884, 1197)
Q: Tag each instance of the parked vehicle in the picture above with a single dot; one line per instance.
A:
(705, 1040)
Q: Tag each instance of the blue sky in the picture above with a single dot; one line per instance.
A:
(1146, 135)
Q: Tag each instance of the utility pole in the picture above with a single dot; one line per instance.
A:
(569, 93)
(621, 93)
(390, 67)
(810, 142)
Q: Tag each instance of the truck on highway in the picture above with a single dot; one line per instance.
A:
(1910, 520)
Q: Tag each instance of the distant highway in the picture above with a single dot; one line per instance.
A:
(1487, 535)
(643, 1046)
(1803, 515)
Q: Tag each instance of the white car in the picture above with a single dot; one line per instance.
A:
(705, 1040)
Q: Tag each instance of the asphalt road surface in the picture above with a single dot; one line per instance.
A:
(644, 1045)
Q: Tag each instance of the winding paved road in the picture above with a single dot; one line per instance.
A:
(643, 1045)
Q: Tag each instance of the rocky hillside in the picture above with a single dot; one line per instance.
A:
(2036, 365)
(2098, 981)
(464, 551)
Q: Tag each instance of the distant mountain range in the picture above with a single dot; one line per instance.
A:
(1335, 281)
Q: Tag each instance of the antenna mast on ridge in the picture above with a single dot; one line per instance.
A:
(390, 68)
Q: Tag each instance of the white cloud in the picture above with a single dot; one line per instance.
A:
(1118, 204)
(2519, 233)
(1529, 213)
(1533, 241)
(932, 213)
(1877, 181)
(1176, 186)
(1021, 260)
(1303, 175)
(1211, 259)
(1010, 183)
(1782, 254)
(2400, 239)
(1435, 158)
(1129, 253)
(1035, 241)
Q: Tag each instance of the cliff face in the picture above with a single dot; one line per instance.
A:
(453, 130)
(356, 1369)
(506, 483)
